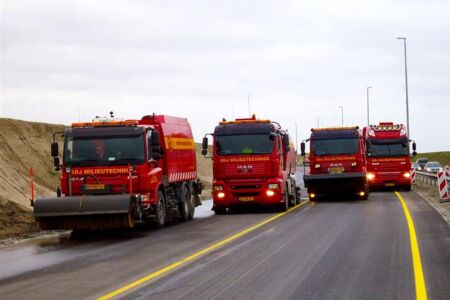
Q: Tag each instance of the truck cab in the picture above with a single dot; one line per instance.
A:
(337, 162)
(388, 155)
(254, 162)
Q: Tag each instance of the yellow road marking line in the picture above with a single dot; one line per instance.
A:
(421, 291)
(194, 256)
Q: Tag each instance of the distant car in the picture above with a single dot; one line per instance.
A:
(433, 167)
(416, 166)
(422, 162)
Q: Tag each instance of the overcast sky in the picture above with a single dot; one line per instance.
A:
(64, 61)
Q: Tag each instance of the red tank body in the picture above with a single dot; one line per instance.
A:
(388, 155)
(254, 162)
(337, 162)
(143, 170)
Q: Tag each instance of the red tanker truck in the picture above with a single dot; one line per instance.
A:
(254, 162)
(337, 162)
(116, 174)
(388, 155)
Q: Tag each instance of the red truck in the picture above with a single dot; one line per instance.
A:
(337, 162)
(254, 162)
(388, 155)
(116, 174)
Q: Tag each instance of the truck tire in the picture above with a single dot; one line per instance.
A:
(192, 205)
(160, 211)
(184, 205)
(407, 188)
(283, 207)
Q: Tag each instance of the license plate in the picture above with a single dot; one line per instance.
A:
(389, 184)
(338, 170)
(246, 198)
(91, 187)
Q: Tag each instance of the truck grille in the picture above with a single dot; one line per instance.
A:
(245, 187)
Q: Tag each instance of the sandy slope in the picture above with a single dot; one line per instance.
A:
(24, 145)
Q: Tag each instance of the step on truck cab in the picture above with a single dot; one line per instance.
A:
(254, 162)
(337, 163)
(116, 174)
(388, 155)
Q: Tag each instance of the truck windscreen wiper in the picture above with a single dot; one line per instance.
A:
(85, 162)
(125, 160)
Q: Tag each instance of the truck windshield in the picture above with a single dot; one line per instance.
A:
(244, 144)
(398, 149)
(104, 151)
(334, 146)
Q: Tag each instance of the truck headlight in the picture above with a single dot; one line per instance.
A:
(407, 175)
(274, 186)
(354, 164)
(370, 176)
(221, 195)
(317, 166)
(270, 193)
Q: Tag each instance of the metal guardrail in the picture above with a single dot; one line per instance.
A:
(428, 178)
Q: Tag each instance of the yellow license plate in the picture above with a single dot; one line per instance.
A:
(389, 184)
(246, 198)
(95, 186)
(338, 170)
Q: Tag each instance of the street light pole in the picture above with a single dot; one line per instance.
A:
(342, 115)
(368, 112)
(296, 136)
(406, 85)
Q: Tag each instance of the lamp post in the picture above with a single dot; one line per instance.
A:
(406, 84)
(368, 110)
(342, 115)
(296, 136)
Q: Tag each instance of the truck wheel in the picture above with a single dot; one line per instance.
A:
(192, 204)
(296, 196)
(160, 211)
(283, 207)
(184, 207)
(407, 188)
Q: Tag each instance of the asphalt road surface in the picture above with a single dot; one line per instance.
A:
(324, 250)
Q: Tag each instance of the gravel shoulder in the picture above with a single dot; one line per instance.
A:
(431, 195)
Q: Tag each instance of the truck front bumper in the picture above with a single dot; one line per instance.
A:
(248, 193)
(345, 183)
(389, 179)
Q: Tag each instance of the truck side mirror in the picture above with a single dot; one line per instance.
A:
(54, 149)
(155, 146)
(286, 142)
(56, 163)
(302, 149)
(205, 146)
(414, 146)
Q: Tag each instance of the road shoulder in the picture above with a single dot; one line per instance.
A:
(431, 195)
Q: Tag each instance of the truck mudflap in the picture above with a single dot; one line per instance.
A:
(85, 212)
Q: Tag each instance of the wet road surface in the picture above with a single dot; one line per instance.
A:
(322, 250)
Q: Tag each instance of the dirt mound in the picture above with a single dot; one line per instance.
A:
(24, 145)
(15, 220)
